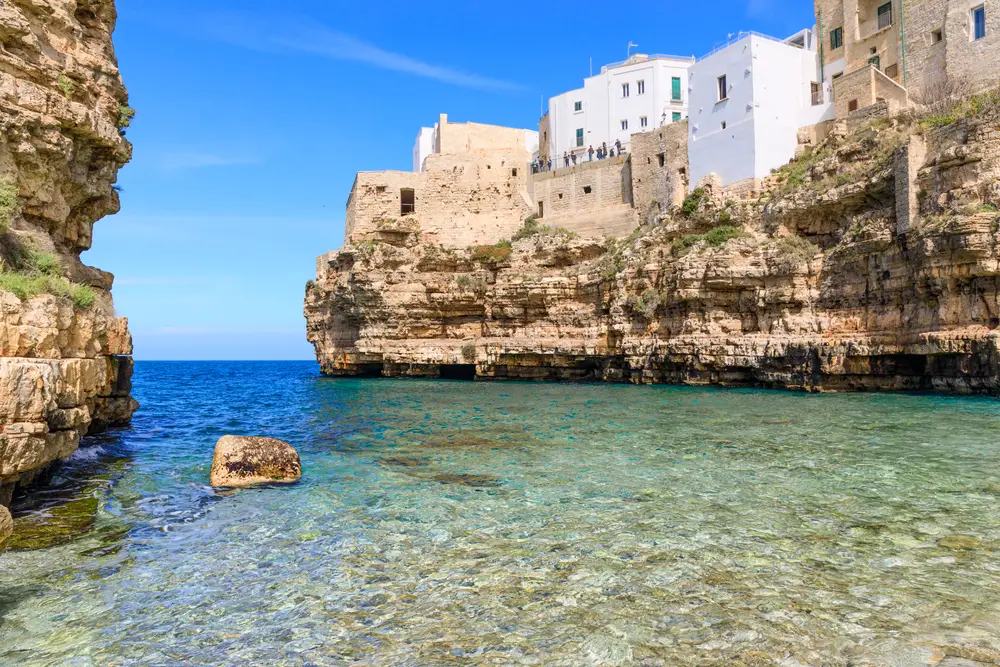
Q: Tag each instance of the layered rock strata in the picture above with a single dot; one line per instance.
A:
(65, 365)
(870, 263)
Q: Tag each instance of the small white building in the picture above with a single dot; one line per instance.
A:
(748, 99)
(637, 95)
(424, 146)
(427, 144)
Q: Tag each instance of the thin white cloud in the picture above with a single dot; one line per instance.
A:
(186, 160)
(308, 36)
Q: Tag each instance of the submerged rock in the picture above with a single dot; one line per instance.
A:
(958, 542)
(246, 461)
(6, 525)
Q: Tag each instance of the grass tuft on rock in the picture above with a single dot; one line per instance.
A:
(33, 272)
(10, 202)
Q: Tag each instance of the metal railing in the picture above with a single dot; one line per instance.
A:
(577, 158)
(875, 26)
(740, 36)
(655, 56)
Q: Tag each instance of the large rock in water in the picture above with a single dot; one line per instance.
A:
(246, 461)
(6, 525)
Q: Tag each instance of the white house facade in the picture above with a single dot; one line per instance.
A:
(747, 101)
(637, 95)
(423, 146)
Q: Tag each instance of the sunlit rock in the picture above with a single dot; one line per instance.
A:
(247, 461)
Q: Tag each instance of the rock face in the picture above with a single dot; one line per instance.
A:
(246, 461)
(6, 525)
(871, 263)
(65, 365)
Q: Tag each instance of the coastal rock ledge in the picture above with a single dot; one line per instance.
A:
(65, 357)
(242, 461)
(869, 263)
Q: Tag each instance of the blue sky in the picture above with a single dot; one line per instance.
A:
(254, 115)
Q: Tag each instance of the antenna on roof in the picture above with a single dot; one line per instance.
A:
(628, 52)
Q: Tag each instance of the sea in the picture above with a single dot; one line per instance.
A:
(485, 523)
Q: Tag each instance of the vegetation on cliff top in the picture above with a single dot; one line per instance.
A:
(532, 228)
(27, 272)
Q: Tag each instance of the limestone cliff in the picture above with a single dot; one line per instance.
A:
(64, 364)
(871, 262)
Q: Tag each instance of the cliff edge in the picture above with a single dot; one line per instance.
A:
(869, 263)
(65, 365)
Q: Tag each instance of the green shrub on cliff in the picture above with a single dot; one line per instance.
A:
(66, 85)
(532, 228)
(693, 202)
(26, 285)
(9, 204)
(492, 254)
(26, 272)
(125, 116)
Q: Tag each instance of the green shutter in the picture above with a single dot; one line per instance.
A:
(675, 117)
(676, 88)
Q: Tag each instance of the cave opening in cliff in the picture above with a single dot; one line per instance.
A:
(465, 372)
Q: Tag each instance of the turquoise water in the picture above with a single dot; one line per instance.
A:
(443, 523)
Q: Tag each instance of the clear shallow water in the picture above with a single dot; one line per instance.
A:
(455, 523)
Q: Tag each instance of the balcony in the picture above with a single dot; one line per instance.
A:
(883, 21)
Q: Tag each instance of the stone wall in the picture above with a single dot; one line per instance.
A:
(544, 128)
(473, 192)
(659, 169)
(956, 60)
(592, 199)
(830, 15)
(864, 87)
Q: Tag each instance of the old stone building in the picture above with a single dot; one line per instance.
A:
(473, 189)
(907, 50)
(591, 199)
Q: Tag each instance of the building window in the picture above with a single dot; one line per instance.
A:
(640, 87)
(661, 158)
(407, 201)
(852, 106)
(817, 94)
(675, 117)
(541, 209)
(624, 90)
(577, 107)
(876, 62)
(885, 16)
(979, 22)
(579, 137)
(675, 89)
(937, 36)
(892, 71)
(624, 124)
(723, 88)
(587, 190)
(642, 121)
(836, 38)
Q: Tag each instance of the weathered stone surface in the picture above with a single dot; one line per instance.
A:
(246, 461)
(6, 526)
(823, 290)
(62, 373)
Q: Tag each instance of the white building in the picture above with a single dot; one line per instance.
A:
(427, 144)
(424, 146)
(748, 99)
(639, 94)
